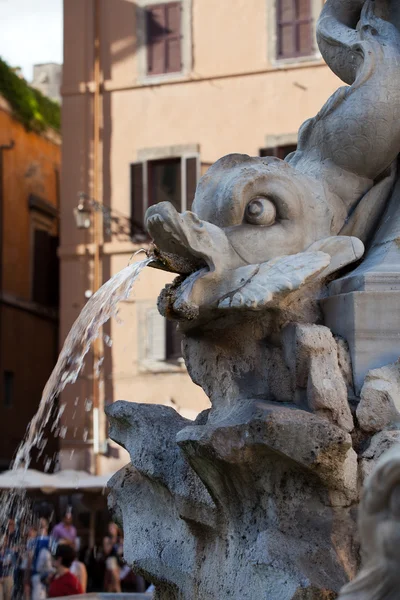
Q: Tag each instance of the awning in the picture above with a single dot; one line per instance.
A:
(68, 480)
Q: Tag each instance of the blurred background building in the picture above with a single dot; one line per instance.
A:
(153, 93)
(47, 78)
(30, 162)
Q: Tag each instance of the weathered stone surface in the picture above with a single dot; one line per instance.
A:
(312, 355)
(380, 399)
(379, 444)
(379, 578)
(264, 465)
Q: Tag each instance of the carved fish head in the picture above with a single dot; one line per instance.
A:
(247, 212)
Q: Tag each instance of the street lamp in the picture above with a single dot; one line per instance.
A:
(82, 216)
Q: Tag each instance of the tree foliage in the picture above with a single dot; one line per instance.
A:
(30, 106)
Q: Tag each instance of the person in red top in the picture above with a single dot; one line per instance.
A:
(64, 582)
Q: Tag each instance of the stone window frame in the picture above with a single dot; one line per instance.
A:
(186, 51)
(316, 6)
(148, 361)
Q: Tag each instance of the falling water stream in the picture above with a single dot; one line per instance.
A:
(97, 311)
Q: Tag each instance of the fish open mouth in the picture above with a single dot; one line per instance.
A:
(180, 241)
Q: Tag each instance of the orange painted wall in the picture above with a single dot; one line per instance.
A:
(28, 335)
(29, 168)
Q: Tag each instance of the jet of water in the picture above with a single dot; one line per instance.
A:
(98, 310)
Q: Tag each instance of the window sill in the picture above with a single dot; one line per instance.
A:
(156, 366)
(282, 63)
(163, 78)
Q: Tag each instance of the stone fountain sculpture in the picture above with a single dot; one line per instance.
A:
(257, 497)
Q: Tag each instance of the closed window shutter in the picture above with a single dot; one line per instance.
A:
(41, 267)
(304, 33)
(54, 274)
(156, 49)
(283, 151)
(279, 151)
(191, 165)
(294, 28)
(173, 41)
(137, 207)
(267, 152)
(156, 339)
(164, 38)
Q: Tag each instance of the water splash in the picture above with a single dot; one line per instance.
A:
(98, 310)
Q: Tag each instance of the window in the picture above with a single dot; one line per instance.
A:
(173, 350)
(171, 179)
(45, 276)
(294, 28)
(8, 388)
(45, 263)
(164, 38)
(159, 340)
(279, 151)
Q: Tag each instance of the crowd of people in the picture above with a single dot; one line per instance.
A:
(37, 564)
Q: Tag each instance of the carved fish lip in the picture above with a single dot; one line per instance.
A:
(181, 241)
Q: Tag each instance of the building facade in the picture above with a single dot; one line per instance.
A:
(29, 230)
(181, 84)
(47, 79)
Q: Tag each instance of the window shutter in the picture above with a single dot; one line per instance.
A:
(283, 151)
(54, 273)
(303, 10)
(137, 205)
(156, 342)
(41, 267)
(156, 50)
(164, 37)
(173, 40)
(267, 152)
(294, 28)
(191, 166)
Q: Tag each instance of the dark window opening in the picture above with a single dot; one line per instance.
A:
(173, 180)
(45, 273)
(279, 151)
(164, 178)
(8, 388)
(294, 28)
(164, 38)
(173, 349)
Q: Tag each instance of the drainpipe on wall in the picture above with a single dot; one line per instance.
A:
(98, 409)
(3, 147)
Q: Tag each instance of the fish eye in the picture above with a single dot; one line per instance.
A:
(260, 211)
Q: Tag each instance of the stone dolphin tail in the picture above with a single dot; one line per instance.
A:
(379, 526)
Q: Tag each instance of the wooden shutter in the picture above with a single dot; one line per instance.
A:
(137, 193)
(294, 28)
(279, 151)
(156, 27)
(173, 38)
(164, 38)
(54, 273)
(283, 151)
(267, 152)
(191, 166)
(41, 267)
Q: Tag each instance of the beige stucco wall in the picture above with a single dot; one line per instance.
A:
(233, 98)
